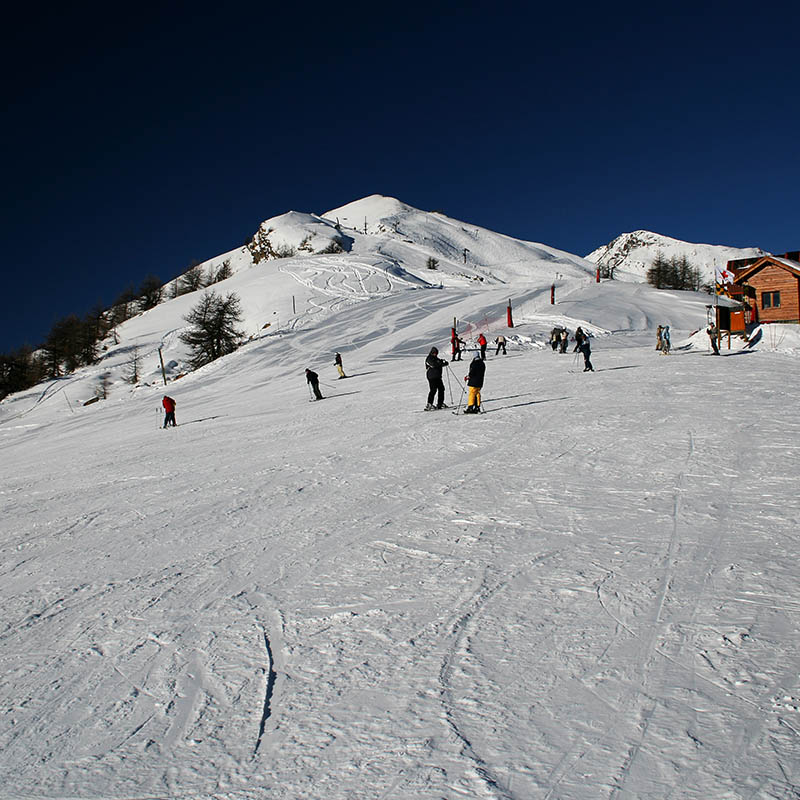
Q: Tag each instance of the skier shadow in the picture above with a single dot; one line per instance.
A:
(203, 419)
(609, 369)
(340, 394)
(529, 403)
(359, 374)
(511, 397)
(755, 340)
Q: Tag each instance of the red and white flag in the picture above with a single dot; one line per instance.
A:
(724, 276)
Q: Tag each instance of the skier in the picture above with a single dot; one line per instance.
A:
(169, 411)
(433, 372)
(554, 339)
(665, 340)
(712, 336)
(338, 362)
(457, 345)
(564, 340)
(659, 339)
(500, 341)
(482, 342)
(477, 369)
(313, 382)
(584, 347)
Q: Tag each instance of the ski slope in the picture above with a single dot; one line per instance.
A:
(587, 592)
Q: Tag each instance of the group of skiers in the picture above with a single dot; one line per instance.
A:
(559, 339)
(663, 340)
(313, 379)
(559, 342)
(458, 346)
(433, 372)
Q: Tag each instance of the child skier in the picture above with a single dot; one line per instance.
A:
(477, 369)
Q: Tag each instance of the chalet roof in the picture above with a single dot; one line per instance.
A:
(780, 261)
(787, 262)
(726, 302)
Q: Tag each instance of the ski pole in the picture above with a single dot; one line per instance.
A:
(463, 390)
(449, 388)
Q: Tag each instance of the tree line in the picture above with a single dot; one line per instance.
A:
(74, 341)
(673, 273)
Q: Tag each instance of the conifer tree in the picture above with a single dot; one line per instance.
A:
(150, 292)
(212, 332)
(193, 279)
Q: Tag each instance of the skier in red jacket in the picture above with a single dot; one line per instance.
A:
(482, 342)
(169, 408)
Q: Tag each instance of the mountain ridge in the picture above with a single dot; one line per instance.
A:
(628, 256)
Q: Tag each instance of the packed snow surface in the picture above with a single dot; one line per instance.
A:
(589, 591)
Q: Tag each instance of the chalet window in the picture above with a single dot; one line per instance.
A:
(770, 300)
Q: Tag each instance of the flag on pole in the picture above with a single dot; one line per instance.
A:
(724, 278)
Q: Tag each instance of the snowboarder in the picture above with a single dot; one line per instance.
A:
(500, 341)
(584, 347)
(482, 342)
(338, 362)
(665, 340)
(659, 339)
(313, 382)
(433, 372)
(712, 337)
(477, 369)
(564, 340)
(169, 411)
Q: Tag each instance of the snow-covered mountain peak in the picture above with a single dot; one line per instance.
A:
(294, 233)
(630, 255)
(374, 210)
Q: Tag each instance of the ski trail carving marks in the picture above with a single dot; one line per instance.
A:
(459, 631)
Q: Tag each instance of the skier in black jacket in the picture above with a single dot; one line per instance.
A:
(313, 382)
(433, 372)
(477, 369)
(584, 347)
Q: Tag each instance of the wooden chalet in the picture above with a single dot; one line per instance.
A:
(768, 288)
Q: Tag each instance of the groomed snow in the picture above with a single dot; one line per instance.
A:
(588, 592)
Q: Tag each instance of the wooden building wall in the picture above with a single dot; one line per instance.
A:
(774, 279)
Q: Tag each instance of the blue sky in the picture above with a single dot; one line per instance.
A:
(135, 144)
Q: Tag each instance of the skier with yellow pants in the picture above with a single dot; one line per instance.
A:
(477, 369)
